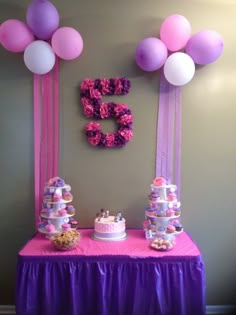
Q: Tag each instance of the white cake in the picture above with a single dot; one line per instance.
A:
(109, 228)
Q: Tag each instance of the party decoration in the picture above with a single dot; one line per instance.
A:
(179, 69)
(151, 54)
(39, 57)
(205, 47)
(175, 32)
(42, 18)
(67, 43)
(91, 92)
(15, 35)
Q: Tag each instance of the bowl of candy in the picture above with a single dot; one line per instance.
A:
(67, 240)
(163, 242)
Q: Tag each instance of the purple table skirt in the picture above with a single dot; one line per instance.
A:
(110, 285)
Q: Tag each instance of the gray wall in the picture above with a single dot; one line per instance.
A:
(119, 179)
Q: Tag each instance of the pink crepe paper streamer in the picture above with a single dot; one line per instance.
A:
(37, 128)
(56, 119)
(168, 155)
(46, 132)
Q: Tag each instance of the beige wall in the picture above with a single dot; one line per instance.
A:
(119, 179)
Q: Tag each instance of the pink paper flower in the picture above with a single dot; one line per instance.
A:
(94, 93)
(110, 138)
(119, 108)
(127, 134)
(104, 113)
(86, 101)
(94, 140)
(88, 110)
(118, 86)
(92, 126)
(105, 84)
(126, 119)
(86, 84)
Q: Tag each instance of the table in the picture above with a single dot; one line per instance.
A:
(110, 278)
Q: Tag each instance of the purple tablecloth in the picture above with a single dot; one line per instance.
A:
(132, 281)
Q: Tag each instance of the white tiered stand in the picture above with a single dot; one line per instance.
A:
(55, 217)
(163, 203)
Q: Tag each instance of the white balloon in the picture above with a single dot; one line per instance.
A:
(179, 69)
(39, 57)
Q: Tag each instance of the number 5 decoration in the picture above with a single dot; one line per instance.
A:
(91, 92)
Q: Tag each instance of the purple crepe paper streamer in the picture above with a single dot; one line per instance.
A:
(168, 155)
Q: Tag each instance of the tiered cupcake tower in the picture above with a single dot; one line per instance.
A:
(162, 222)
(57, 213)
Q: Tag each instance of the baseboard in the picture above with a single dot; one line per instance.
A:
(221, 310)
(210, 310)
(7, 310)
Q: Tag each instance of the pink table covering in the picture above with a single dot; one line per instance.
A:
(134, 246)
(110, 278)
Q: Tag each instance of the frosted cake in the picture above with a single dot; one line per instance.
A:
(109, 227)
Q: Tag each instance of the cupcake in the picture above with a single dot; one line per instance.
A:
(161, 213)
(56, 182)
(159, 181)
(41, 225)
(178, 227)
(177, 211)
(66, 227)
(170, 228)
(49, 212)
(47, 197)
(44, 211)
(170, 212)
(62, 212)
(67, 196)
(171, 196)
(50, 228)
(74, 224)
(56, 197)
(153, 196)
(151, 212)
(70, 209)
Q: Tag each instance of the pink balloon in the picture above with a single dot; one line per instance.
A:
(151, 54)
(205, 47)
(15, 35)
(67, 43)
(175, 32)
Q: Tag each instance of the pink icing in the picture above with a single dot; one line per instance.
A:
(50, 227)
(170, 212)
(172, 196)
(62, 212)
(66, 227)
(159, 181)
(107, 225)
(170, 228)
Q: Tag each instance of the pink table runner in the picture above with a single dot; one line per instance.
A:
(134, 246)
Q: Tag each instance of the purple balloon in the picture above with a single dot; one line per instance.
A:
(151, 54)
(42, 18)
(205, 47)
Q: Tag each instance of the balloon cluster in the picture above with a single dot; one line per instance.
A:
(40, 38)
(178, 51)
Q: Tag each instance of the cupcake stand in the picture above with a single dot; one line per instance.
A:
(162, 223)
(54, 217)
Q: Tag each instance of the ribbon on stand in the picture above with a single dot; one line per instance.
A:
(168, 147)
(46, 132)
